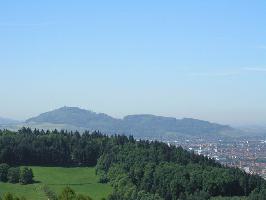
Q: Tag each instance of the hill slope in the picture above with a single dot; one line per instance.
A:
(75, 117)
(137, 125)
(6, 121)
(136, 169)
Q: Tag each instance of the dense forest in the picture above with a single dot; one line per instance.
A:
(137, 170)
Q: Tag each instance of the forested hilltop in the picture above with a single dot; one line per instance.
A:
(137, 170)
(141, 126)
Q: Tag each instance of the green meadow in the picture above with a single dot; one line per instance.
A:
(82, 179)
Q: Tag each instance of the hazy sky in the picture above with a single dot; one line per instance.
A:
(202, 59)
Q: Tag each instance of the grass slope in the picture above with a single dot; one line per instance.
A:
(82, 179)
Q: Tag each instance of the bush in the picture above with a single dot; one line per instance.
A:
(103, 178)
(49, 193)
(69, 194)
(258, 195)
(3, 172)
(26, 176)
(13, 175)
(9, 196)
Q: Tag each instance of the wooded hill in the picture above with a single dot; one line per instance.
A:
(140, 170)
(141, 126)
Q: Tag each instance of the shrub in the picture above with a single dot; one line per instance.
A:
(3, 172)
(13, 175)
(26, 176)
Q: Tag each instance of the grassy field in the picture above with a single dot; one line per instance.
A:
(82, 179)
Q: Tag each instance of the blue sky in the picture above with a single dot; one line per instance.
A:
(201, 59)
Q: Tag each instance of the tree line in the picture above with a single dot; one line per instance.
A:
(137, 170)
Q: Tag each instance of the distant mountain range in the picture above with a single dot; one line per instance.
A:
(258, 130)
(141, 126)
